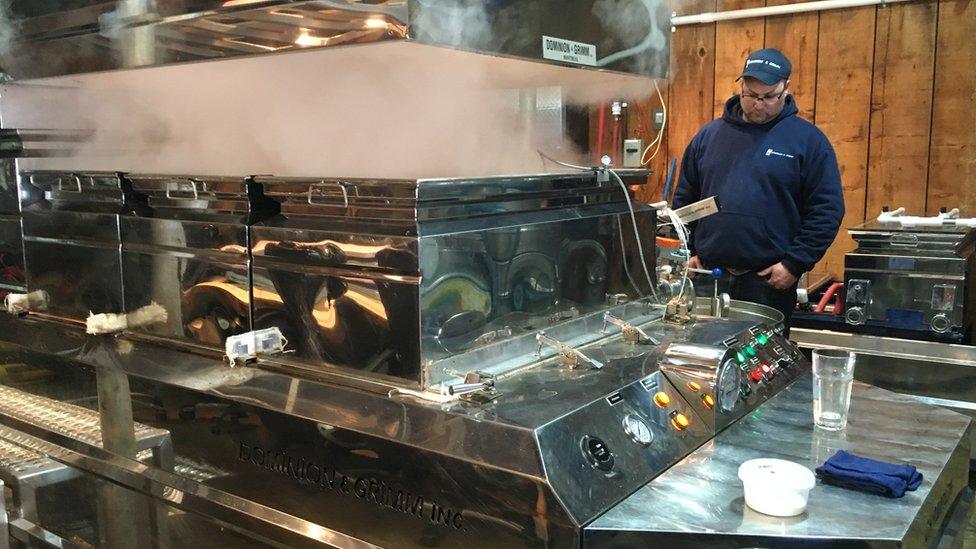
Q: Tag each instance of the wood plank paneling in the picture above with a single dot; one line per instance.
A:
(901, 106)
(797, 37)
(843, 112)
(690, 98)
(952, 168)
(640, 122)
(733, 42)
(867, 77)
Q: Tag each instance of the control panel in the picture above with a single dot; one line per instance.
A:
(597, 453)
(768, 362)
(765, 357)
(624, 439)
(724, 382)
(618, 443)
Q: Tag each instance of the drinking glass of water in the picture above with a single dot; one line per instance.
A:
(833, 377)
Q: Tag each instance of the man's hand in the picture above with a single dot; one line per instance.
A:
(694, 263)
(779, 276)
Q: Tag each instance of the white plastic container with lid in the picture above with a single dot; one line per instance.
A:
(776, 487)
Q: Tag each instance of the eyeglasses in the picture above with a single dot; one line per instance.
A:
(758, 98)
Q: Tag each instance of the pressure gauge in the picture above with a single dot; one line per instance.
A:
(638, 430)
(728, 386)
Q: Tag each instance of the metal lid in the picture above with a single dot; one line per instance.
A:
(76, 186)
(429, 199)
(91, 35)
(177, 187)
(949, 227)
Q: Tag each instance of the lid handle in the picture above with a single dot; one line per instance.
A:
(76, 178)
(179, 186)
(324, 184)
(907, 240)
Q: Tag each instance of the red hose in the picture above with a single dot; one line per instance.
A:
(615, 143)
(601, 127)
(827, 295)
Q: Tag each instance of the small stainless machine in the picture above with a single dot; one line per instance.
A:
(914, 274)
(909, 307)
(490, 361)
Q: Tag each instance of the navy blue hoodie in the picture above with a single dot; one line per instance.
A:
(778, 189)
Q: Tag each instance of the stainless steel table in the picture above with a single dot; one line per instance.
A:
(938, 373)
(699, 502)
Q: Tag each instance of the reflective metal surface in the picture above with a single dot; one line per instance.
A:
(12, 276)
(450, 373)
(557, 447)
(699, 501)
(918, 278)
(395, 279)
(744, 310)
(78, 423)
(723, 383)
(405, 278)
(57, 502)
(630, 36)
(9, 200)
(186, 250)
(938, 371)
(26, 472)
(71, 242)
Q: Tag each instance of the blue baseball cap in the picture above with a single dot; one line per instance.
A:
(767, 65)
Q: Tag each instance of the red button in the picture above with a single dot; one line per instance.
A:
(765, 368)
(756, 375)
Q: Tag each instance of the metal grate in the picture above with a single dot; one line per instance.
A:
(19, 460)
(69, 420)
(188, 468)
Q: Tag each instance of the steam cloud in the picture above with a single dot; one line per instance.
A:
(637, 24)
(7, 34)
(380, 110)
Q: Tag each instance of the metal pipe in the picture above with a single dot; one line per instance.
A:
(137, 43)
(37, 143)
(11, 145)
(941, 220)
(118, 508)
(786, 9)
(601, 127)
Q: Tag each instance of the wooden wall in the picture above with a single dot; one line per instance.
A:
(893, 87)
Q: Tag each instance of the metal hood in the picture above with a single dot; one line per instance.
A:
(63, 37)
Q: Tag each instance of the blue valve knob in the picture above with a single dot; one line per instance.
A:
(715, 273)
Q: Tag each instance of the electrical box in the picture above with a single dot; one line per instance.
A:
(633, 149)
(657, 120)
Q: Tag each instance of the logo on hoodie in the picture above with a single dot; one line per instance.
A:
(771, 152)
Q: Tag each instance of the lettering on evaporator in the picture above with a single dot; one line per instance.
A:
(370, 490)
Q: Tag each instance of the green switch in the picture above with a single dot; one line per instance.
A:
(741, 358)
(762, 340)
(750, 350)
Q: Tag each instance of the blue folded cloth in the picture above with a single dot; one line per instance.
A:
(868, 475)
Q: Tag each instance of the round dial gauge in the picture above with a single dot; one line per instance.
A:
(638, 430)
(728, 386)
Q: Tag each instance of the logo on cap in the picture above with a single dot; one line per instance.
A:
(768, 65)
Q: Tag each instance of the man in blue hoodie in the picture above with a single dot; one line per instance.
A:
(777, 183)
